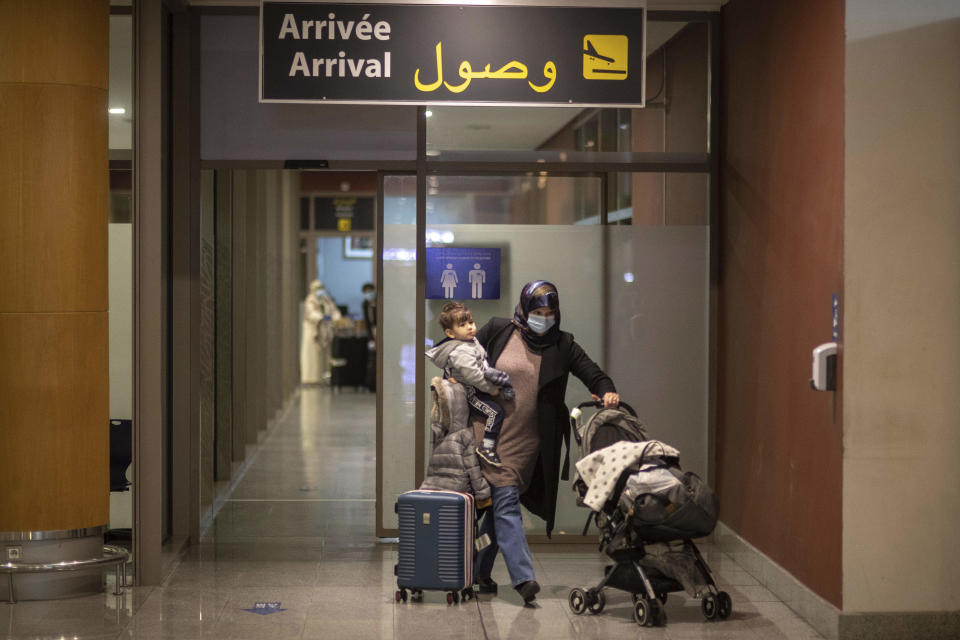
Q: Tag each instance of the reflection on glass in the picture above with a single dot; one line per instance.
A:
(656, 320)
(120, 273)
(665, 199)
(511, 213)
(398, 294)
(674, 120)
(527, 199)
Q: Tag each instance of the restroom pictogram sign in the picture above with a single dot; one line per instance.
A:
(463, 273)
(605, 57)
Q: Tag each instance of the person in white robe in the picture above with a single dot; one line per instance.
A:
(319, 314)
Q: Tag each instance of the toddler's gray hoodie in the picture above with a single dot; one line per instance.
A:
(466, 361)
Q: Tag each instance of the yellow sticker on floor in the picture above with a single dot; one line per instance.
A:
(604, 57)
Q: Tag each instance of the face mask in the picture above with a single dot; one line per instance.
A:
(321, 292)
(540, 324)
(370, 295)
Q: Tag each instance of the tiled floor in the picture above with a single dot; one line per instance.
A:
(296, 537)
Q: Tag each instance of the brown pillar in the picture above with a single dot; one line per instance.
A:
(54, 391)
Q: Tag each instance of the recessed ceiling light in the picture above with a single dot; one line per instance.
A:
(428, 113)
(117, 111)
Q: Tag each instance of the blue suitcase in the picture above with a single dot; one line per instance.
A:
(436, 542)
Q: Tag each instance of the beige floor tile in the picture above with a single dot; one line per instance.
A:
(734, 577)
(297, 530)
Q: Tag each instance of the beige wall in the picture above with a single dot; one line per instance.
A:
(901, 331)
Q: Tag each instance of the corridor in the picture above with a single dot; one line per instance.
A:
(292, 554)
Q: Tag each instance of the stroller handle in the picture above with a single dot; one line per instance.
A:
(597, 404)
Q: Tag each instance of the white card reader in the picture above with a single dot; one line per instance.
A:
(825, 367)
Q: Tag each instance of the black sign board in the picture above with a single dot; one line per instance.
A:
(462, 54)
(343, 213)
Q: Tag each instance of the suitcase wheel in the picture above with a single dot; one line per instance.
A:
(401, 595)
(453, 597)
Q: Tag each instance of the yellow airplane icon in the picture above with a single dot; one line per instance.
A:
(605, 57)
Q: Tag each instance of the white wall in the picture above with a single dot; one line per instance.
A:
(901, 330)
(120, 285)
(120, 268)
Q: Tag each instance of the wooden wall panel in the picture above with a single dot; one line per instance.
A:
(54, 198)
(55, 42)
(11, 178)
(54, 384)
(54, 465)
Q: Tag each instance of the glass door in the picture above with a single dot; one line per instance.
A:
(545, 228)
(396, 348)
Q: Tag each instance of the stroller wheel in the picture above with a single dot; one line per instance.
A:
(709, 606)
(597, 601)
(724, 605)
(577, 600)
(641, 612)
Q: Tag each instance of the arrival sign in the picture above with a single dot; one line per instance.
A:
(445, 53)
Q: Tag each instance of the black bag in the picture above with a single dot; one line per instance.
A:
(685, 510)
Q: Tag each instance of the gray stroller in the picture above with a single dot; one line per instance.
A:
(646, 528)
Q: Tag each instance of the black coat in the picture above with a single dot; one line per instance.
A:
(553, 417)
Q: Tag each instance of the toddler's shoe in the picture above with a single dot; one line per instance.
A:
(489, 456)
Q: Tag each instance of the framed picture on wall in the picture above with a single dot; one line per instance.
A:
(358, 247)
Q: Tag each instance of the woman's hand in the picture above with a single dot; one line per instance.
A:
(609, 399)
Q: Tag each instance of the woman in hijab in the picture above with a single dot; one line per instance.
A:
(539, 358)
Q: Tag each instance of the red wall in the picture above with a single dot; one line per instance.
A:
(779, 443)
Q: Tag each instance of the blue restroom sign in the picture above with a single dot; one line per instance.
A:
(463, 273)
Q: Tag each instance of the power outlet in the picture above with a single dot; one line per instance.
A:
(14, 553)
